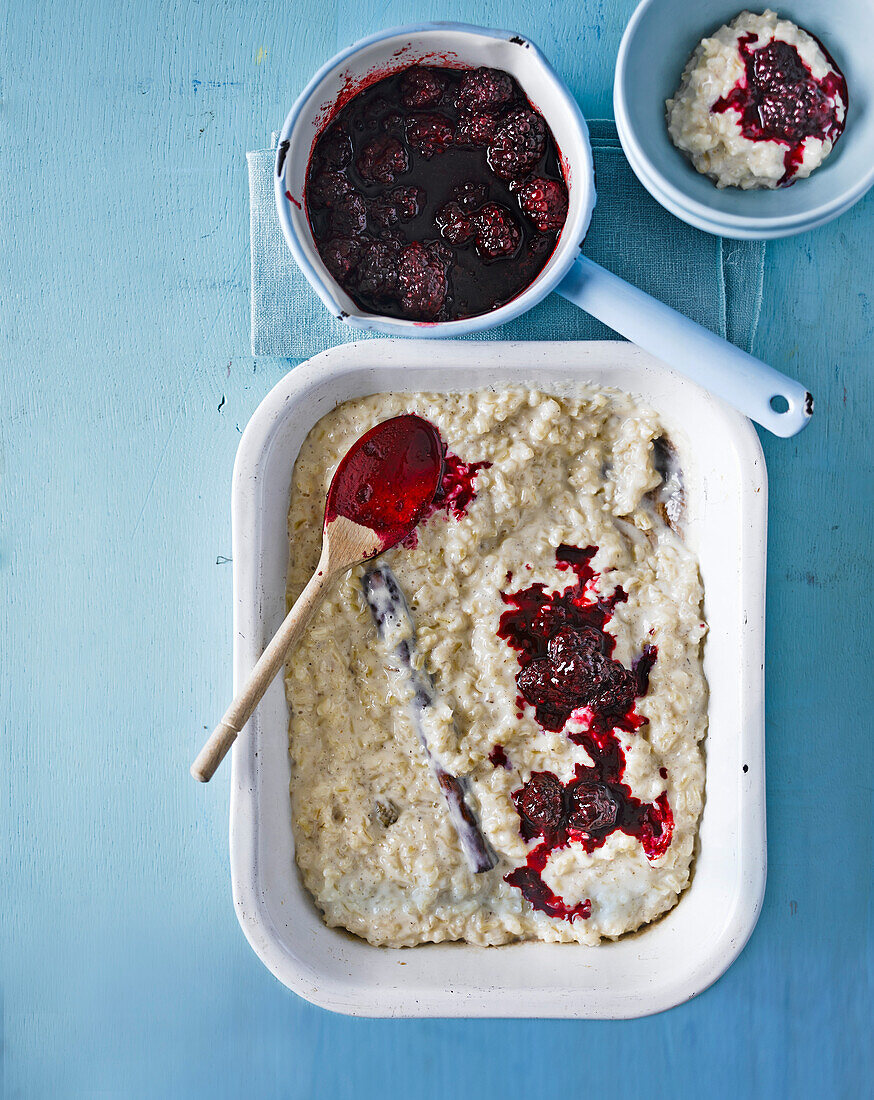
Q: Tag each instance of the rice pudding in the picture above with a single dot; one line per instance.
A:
(760, 104)
(557, 614)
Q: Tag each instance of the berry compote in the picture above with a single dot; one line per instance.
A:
(567, 667)
(779, 99)
(436, 194)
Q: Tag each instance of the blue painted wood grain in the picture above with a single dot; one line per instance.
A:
(124, 383)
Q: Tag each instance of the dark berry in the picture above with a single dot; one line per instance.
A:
(382, 159)
(483, 90)
(788, 103)
(429, 134)
(328, 188)
(540, 804)
(578, 659)
(496, 233)
(552, 696)
(383, 211)
(475, 129)
(545, 203)
(793, 116)
(441, 251)
(777, 67)
(422, 281)
(375, 112)
(421, 87)
(779, 99)
(454, 224)
(615, 690)
(376, 275)
(518, 144)
(570, 643)
(470, 195)
(575, 673)
(402, 204)
(591, 807)
(349, 215)
(340, 255)
(335, 148)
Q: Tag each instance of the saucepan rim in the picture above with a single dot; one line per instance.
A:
(579, 175)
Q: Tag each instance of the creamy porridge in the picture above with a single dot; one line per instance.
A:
(760, 104)
(550, 665)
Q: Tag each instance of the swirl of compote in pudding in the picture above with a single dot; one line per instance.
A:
(760, 104)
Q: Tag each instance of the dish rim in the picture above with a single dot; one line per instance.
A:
(347, 361)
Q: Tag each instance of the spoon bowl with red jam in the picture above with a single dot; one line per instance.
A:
(387, 481)
(383, 487)
(437, 180)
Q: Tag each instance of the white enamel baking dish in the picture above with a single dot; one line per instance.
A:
(673, 959)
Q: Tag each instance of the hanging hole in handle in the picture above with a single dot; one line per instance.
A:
(779, 403)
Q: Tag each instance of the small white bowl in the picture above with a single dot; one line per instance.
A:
(658, 42)
(676, 957)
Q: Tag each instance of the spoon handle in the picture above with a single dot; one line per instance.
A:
(746, 383)
(265, 670)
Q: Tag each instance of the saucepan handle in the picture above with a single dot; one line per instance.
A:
(751, 386)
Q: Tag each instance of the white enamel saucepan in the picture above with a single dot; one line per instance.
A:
(754, 388)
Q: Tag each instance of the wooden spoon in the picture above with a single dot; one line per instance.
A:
(383, 487)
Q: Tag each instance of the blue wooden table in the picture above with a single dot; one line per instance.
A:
(124, 385)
